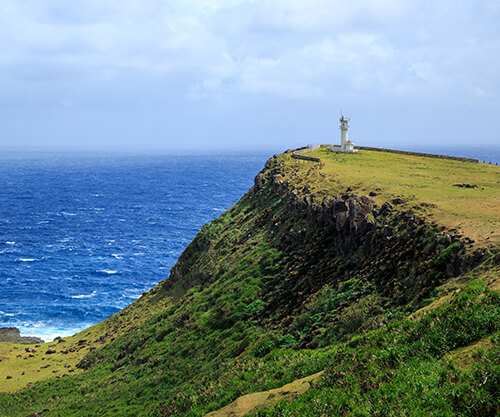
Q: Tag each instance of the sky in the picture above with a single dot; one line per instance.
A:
(187, 75)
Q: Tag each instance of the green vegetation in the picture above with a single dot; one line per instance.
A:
(447, 254)
(473, 211)
(401, 317)
(399, 370)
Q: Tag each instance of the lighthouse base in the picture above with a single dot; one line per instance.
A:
(349, 148)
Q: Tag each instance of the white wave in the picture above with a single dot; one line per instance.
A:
(10, 243)
(107, 271)
(65, 213)
(132, 296)
(117, 255)
(26, 260)
(49, 333)
(94, 293)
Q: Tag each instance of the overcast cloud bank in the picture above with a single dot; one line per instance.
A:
(247, 74)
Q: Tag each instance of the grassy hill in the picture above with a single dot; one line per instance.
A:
(307, 298)
(472, 211)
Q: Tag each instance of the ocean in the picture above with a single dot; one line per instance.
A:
(84, 235)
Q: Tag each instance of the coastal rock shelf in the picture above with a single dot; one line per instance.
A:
(13, 335)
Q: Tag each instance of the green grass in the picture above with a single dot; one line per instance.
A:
(403, 369)
(417, 179)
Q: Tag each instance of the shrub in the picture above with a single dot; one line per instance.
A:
(447, 254)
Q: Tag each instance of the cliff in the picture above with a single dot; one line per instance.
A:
(383, 295)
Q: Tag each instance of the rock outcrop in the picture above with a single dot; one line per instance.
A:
(396, 251)
(13, 335)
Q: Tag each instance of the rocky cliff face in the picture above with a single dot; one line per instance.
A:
(384, 250)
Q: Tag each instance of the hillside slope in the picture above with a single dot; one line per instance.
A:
(308, 273)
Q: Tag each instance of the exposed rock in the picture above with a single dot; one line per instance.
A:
(50, 351)
(466, 185)
(269, 163)
(12, 335)
(259, 180)
(38, 413)
(386, 208)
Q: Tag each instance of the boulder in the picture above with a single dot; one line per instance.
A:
(259, 180)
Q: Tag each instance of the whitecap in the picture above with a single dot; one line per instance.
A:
(65, 213)
(94, 293)
(132, 296)
(26, 260)
(10, 243)
(107, 272)
(117, 255)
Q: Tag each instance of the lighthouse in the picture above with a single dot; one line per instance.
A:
(345, 144)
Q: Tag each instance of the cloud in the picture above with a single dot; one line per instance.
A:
(158, 52)
(288, 47)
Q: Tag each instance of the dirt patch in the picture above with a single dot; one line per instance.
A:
(252, 402)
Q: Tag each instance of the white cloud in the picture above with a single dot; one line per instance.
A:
(287, 47)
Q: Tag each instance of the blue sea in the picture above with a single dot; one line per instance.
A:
(84, 235)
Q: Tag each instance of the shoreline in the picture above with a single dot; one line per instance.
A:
(13, 335)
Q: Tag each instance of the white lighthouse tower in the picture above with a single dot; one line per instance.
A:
(345, 144)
